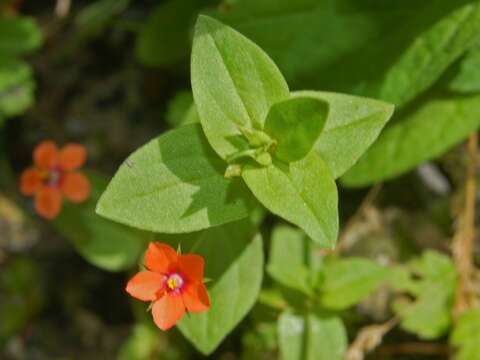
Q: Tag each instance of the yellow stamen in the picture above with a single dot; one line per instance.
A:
(172, 283)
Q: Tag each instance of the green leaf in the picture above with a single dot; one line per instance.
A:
(165, 37)
(467, 80)
(293, 259)
(429, 316)
(311, 337)
(16, 87)
(142, 344)
(234, 84)
(175, 184)
(302, 192)
(430, 53)
(393, 63)
(103, 243)
(353, 124)
(234, 260)
(94, 18)
(23, 295)
(18, 36)
(418, 135)
(466, 335)
(181, 110)
(296, 124)
(349, 281)
(467, 328)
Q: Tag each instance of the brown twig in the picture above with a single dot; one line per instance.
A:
(463, 240)
(368, 339)
(366, 203)
(413, 348)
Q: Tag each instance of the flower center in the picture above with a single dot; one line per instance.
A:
(54, 176)
(175, 282)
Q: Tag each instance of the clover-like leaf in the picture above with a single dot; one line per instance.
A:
(234, 84)
(175, 184)
(234, 261)
(302, 192)
(295, 124)
(433, 281)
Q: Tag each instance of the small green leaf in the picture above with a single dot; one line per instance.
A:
(234, 260)
(103, 243)
(467, 80)
(16, 87)
(302, 192)
(173, 184)
(429, 316)
(293, 259)
(234, 84)
(94, 18)
(311, 337)
(18, 36)
(467, 329)
(353, 124)
(421, 134)
(296, 124)
(349, 281)
(466, 335)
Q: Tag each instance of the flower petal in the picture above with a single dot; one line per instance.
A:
(192, 266)
(48, 202)
(30, 182)
(167, 311)
(160, 257)
(72, 157)
(195, 297)
(76, 187)
(45, 155)
(145, 285)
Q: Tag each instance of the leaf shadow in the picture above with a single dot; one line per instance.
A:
(201, 167)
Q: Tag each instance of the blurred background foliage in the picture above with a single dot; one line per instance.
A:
(112, 74)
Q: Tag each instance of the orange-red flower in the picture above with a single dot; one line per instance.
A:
(172, 282)
(54, 173)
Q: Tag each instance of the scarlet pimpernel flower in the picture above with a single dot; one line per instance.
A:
(172, 282)
(55, 172)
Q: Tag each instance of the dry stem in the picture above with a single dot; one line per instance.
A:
(366, 203)
(464, 238)
(368, 339)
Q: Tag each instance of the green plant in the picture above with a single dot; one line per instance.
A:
(254, 135)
